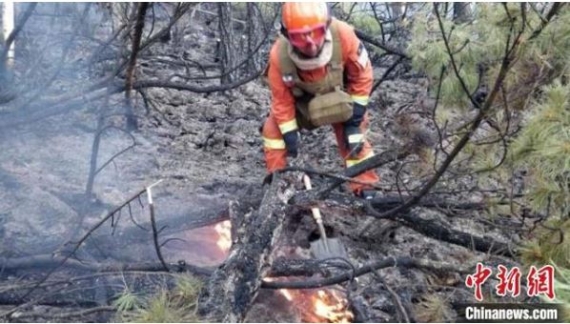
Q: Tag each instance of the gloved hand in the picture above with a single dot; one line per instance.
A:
(291, 143)
(354, 139)
(353, 136)
(358, 112)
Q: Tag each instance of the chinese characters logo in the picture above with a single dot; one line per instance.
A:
(539, 281)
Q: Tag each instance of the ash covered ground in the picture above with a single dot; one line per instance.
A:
(207, 149)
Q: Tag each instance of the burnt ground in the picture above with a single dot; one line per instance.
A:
(207, 149)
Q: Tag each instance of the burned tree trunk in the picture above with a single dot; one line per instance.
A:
(226, 39)
(254, 27)
(234, 285)
(135, 46)
(8, 28)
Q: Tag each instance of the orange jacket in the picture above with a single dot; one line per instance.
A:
(357, 70)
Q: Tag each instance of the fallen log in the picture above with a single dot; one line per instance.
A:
(309, 199)
(66, 315)
(280, 267)
(442, 232)
(51, 301)
(75, 291)
(47, 261)
(405, 262)
(234, 285)
(413, 219)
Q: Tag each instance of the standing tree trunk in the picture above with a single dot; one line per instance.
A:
(7, 51)
(135, 45)
(254, 28)
(397, 10)
(7, 29)
(226, 54)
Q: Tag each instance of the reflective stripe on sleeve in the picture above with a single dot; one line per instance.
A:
(288, 126)
(362, 100)
(276, 144)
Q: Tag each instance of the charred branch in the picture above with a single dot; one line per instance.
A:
(405, 262)
(154, 229)
(95, 147)
(50, 301)
(67, 315)
(83, 239)
(553, 12)
(235, 284)
(386, 74)
(41, 90)
(433, 229)
(10, 39)
(413, 219)
(371, 163)
(67, 103)
(136, 42)
(306, 199)
(333, 270)
(185, 87)
(369, 39)
(43, 262)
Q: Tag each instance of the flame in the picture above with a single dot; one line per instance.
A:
(223, 229)
(325, 305)
(329, 305)
(322, 306)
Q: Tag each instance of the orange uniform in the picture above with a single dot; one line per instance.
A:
(357, 71)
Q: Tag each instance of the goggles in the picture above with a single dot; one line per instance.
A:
(302, 37)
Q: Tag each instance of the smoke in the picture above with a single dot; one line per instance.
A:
(66, 56)
(45, 163)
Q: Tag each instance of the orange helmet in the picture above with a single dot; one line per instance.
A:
(304, 16)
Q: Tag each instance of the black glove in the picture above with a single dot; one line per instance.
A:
(358, 112)
(352, 130)
(354, 139)
(480, 96)
(291, 143)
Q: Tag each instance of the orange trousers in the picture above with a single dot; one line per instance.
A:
(276, 153)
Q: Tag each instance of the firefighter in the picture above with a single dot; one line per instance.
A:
(319, 73)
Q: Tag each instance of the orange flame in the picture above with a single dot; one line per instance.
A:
(329, 305)
(321, 306)
(223, 229)
(325, 305)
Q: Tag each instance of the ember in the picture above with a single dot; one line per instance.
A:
(329, 305)
(224, 241)
(324, 305)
